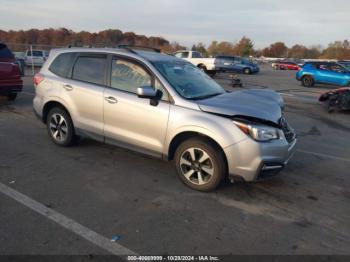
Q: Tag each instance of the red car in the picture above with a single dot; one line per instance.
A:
(285, 65)
(10, 75)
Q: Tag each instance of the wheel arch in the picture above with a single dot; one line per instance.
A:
(51, 104)
(201, 65)
(185, 135)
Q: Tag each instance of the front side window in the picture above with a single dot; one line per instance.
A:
(337, 68)
(128, 76)
(90, 69)
(189, 81)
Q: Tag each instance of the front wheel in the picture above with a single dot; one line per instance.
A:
(60, 127)
(200, 164)
(307, 81)
(247, 71)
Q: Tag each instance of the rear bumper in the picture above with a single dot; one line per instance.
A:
(10, 86)
(251, 161)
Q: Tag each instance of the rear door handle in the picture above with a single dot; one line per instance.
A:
(68, 87)
(111, 99)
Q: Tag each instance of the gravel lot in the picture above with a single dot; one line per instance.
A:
(112, 191)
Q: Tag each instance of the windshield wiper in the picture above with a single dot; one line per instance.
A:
(205, 96)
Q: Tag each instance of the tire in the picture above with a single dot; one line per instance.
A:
(211, 73)
(247, 71)
(203, 68)
(60, 127)
(12, 96)
(201, 175)
(307, 81)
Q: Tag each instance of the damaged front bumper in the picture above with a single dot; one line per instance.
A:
(249, 160)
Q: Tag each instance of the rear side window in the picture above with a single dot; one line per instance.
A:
(5, 52)
(62, 64)
(90, 69)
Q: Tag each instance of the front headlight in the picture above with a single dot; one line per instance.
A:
(259, 133)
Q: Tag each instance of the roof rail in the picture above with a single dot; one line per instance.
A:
(132, 47)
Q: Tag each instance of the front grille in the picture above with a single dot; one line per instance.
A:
(287, 130)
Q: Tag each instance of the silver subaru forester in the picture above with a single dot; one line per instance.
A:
(163, 106)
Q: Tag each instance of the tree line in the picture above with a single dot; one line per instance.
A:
(46, 38)
(19, 40)
(339, 50)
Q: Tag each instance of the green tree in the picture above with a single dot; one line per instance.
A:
(245, 47)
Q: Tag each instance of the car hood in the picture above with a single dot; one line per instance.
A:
(263, 104)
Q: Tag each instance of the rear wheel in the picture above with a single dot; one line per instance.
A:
(12, 96)
(307, 81)
(200, 164)
(60, 127)
(203, 68)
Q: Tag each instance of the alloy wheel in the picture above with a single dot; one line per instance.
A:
(58, 127)
(196, 166)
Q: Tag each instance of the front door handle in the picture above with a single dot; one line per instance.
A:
(68, 87)
(111, 99)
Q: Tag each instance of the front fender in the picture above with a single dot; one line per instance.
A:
(220, 129)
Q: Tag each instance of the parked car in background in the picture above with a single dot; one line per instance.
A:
(166, 107)
(235, 64)
(285, 65)
(323, 72)
(197, 59)
(10, 75)
(35, 57)
(20, 61)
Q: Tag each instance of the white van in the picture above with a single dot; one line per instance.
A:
(35, 57)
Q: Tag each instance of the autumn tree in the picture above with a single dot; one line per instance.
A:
(221, 48)
(278, 49)
(337, 50)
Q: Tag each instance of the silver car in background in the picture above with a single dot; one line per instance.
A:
(165, 107)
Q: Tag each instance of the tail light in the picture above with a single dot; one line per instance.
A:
(38, 78)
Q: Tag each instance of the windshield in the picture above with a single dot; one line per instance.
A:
(189, 81)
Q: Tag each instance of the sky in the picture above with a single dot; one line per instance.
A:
(308, 22)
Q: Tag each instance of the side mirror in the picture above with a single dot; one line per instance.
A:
(146, 92)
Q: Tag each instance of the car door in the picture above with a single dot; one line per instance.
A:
(131, 121)
(330, 74)
(82, 92)
(237, 64)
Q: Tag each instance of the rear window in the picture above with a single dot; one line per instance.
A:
(90, 69)
(62, 64)
(5, 52)
(196, 55)
(35, 53)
